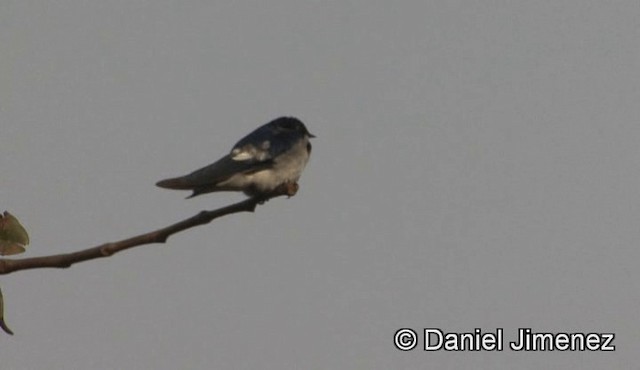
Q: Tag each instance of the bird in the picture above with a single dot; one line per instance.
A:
(271, 156)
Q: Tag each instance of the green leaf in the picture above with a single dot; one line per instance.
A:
(13, 237)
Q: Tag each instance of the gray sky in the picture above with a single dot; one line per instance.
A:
(476, 166)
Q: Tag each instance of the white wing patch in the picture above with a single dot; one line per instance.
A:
(241, 155)
(250, 152)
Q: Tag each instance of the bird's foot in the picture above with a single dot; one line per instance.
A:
(287, 188)
(290, 188)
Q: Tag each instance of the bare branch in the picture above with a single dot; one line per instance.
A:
(8, 266)
(3, 325)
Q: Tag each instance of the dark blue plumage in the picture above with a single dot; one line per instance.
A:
(272, 155)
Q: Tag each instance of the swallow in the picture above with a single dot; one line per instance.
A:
(271, 156)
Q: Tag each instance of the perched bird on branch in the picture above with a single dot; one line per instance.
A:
(271, 157)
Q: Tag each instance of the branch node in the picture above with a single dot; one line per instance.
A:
(108, 249)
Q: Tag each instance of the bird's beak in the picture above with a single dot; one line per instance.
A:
(311, 135)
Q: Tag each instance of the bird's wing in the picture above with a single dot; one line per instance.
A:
(262, 145)
(224, 168)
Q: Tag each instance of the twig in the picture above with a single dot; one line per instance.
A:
(3, 325)
(8, 266)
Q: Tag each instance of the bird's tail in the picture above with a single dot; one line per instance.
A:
(177, 183)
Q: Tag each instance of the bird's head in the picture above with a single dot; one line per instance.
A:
(290, 125)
